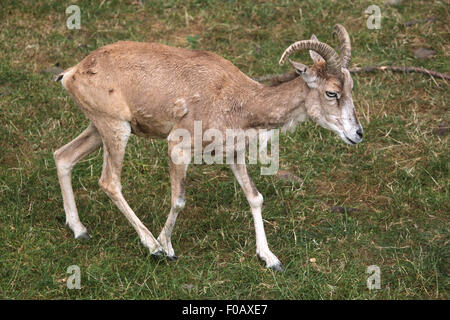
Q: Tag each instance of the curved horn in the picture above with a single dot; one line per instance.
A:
(321, 48)
(344, 43)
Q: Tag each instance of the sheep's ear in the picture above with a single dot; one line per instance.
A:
(307, 74)
(317, 58)
(300, 68)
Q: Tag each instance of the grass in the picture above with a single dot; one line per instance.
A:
(397, 178)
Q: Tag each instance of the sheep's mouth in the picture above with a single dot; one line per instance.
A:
(351, 141)
(348, 140)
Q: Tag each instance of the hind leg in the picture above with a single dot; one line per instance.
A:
(115, 134)
(65, 158)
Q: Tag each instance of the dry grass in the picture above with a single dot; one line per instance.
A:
(397, 179)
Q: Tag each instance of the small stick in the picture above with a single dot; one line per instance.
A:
(277, 78)
(280, 78)
(404, 69)
(413, 22)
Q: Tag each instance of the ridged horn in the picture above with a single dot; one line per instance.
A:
(327, 52)
(345, 45)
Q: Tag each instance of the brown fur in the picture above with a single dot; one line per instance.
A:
(152, 89)
(141, 83)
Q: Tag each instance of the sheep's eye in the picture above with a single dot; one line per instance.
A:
(331, 94)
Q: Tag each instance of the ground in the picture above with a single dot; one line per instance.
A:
(396, 181)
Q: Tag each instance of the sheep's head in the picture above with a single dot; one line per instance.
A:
(329, 102)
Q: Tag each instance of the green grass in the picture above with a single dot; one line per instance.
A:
(398, 177)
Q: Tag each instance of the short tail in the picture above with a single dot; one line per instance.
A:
(62, 75)
(59, 77)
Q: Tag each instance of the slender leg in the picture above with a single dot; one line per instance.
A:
(255, 200)
(115, 136)
(65, 158)
(177, 177)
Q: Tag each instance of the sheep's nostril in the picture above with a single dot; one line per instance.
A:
(359, 133)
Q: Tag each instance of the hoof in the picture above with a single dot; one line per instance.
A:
(172, 258)
(277, 267)
(83, 236)
(158, 254)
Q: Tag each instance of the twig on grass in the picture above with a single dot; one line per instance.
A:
(280, 78)
(404, 69)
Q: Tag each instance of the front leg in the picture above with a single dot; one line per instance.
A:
(255, 199)
(177, 177)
